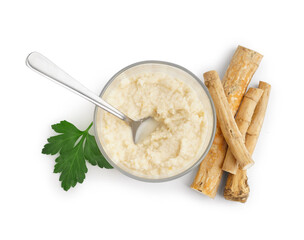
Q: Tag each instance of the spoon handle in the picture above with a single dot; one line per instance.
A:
(44, 66)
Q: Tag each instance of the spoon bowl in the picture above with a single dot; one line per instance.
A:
(143, 128)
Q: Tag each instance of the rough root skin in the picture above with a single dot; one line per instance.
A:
(237, 77)
(237, 188)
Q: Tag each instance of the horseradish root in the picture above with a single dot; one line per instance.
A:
(258, 118)
(243, 65)
(237, 188)
(243, 119)
(226, 120)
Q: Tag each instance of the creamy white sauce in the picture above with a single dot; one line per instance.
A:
(177, 141)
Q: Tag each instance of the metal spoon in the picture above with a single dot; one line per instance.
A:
(44, 66)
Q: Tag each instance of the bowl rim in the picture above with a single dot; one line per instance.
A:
(155, 179)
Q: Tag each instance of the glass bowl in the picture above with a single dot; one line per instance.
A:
(172, 70)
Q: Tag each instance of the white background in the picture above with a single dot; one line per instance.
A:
(92, 40)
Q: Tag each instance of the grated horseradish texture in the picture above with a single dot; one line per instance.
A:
(176, 142)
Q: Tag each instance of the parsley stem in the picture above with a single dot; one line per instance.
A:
(89, 127)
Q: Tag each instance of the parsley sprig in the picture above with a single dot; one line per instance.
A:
(74, 147)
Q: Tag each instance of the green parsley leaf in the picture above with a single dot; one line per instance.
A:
(74, 147)
(63, 142)
(93, 154)
(71, 166)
